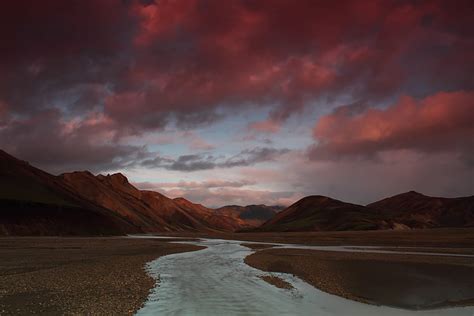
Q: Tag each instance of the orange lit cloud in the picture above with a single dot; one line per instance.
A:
(441, 122)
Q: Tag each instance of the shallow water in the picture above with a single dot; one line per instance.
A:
(216, 281)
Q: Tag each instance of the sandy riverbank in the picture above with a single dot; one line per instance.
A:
(48, 275)
(77, 276)
(411, 282)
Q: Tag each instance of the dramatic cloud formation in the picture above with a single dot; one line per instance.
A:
(49, 141)
(438, 123)
(142, 85)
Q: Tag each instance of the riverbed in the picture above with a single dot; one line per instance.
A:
(216, 281)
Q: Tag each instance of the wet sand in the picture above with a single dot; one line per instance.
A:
(405, 281)
(77, 276)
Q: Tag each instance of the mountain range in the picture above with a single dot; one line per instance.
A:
(410, 210)
(34, 202)
(37, 203)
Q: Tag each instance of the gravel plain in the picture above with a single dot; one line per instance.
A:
(404, 281)
(77, 276)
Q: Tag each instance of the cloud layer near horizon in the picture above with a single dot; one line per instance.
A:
(198, 91)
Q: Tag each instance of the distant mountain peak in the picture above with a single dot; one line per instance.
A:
(253, 215)
(321, 213)
(406, 195)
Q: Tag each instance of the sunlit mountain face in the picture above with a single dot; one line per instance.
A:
(244, 102)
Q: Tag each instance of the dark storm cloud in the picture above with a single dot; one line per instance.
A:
(58, 147)
(52, 46)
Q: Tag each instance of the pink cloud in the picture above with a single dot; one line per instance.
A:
(89, 84)
(217, 192)
(234, 196)
(278, 53)
(441, 122)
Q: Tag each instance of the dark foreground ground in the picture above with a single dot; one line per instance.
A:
(77, 276)
(405, 281)
(105, 276)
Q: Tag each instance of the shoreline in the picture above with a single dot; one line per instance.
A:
(415, 282)
(68, 275)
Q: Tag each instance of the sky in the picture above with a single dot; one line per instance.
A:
(244, 102)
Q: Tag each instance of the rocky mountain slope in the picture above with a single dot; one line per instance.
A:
(33, 202)
(320, 213)
(415, 210)
(149, 210)
(409, 210)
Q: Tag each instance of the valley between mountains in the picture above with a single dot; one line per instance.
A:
(65, 250)
(35, 202)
